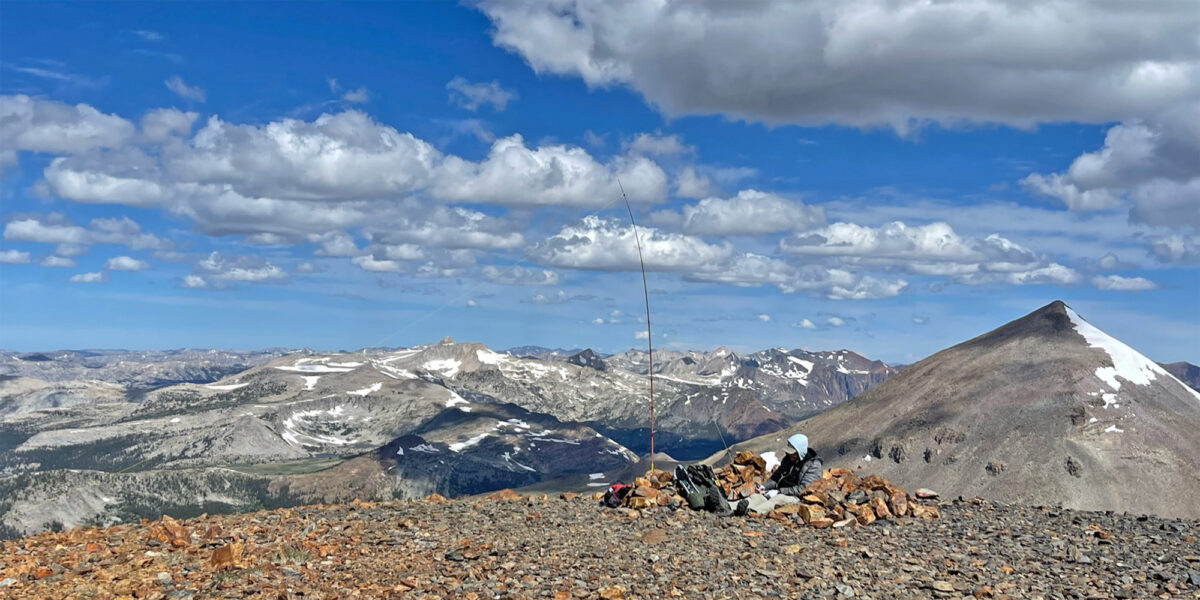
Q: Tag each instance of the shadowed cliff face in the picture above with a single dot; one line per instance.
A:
(1046, 409)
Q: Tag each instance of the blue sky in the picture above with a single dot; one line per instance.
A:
(891, 178)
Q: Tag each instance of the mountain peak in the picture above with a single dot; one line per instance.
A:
(1044, 409)
(587, 358)
(1050, 321)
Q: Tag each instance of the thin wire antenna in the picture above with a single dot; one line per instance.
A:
(728, 453)
(649, 337)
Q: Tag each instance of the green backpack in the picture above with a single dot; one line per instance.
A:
(698, 485)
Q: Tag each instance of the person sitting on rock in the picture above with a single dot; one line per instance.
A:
(799, 468)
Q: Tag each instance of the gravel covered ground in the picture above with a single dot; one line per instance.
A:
(555, 548)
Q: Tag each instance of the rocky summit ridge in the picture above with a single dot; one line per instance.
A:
(515, 546)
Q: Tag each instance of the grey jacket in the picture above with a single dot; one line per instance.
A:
(796, 473)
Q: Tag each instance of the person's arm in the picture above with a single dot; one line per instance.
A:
(812, 472)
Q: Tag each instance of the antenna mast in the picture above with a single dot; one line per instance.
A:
(646, 296)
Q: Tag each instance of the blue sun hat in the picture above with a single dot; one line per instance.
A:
(799, 442)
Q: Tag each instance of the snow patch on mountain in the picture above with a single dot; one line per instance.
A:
(460, 446)
(459, 401)
(393, 372)
(509, 459)
(804, 364)
(448, 367)
(1128, 364)
(488, 357)
(300, 367)
(294, 425)
(375, 387)
(226, 388)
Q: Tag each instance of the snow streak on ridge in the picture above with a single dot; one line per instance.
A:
(1128, 364)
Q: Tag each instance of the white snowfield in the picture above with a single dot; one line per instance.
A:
(509, 459)
(226, 388)
(393, 372)
(310, 381)
(488, 357)
(448, 367)
(318, 368)
(1128, 364)
(459, 401)
(460, 446)
(806, 365)
(374, 387)
(293, 428)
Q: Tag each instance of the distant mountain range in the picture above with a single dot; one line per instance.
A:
(135, 369)
(102, 436)
(1047, 409)
(453, 418)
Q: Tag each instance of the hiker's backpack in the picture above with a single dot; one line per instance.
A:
(692, 491)
(698, 485)
(616, 494)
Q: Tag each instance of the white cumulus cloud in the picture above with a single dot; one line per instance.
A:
(515, 174)
(518, 275)
(376, 265)
(98, 277)
(125, 263)
(183, 90)
(193, 282)
(750, 212)
(472, 96)
(1148, 165)
(57, 261)
(1123, 284)
(868, 62)
(73, 239)
(231, 268)
(48, 126)
(608, 245)
(13, 257)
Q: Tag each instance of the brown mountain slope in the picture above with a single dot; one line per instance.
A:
(1043, 410)
(1185, 372)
